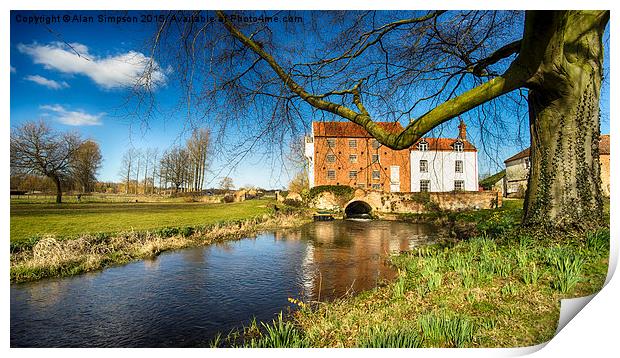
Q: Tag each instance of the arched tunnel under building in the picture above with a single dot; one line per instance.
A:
(357, 209)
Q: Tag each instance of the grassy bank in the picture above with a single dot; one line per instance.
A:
(53, 256)
(500, 288)
(32, 221)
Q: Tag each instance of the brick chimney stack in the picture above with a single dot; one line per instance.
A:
(462, 130)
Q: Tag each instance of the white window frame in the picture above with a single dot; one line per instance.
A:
(377, 176)
(424, 168)
(376, 186)
(332, 176)
(330, 158)
(352, 143)
(428, 185)
(352, 174)
(462, 182)
(352, 158)
(331, 142)
(457, 168)
(377, 160)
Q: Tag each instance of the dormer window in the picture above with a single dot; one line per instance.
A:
(423, 146)
(458, 146)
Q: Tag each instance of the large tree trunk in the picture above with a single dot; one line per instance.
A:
(58, 189)
(564, 187)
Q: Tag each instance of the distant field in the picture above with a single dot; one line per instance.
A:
(30, 219)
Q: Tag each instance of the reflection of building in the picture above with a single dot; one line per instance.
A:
(343, 153)
(518, 168)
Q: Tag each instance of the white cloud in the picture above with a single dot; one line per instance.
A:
(13, 70)
(122, 70)
(51, 84)
(73, 118)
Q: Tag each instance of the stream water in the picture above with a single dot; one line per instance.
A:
(183, 298)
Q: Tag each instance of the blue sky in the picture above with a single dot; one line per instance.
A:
(87, 94)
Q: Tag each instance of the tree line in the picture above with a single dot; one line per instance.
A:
(180, 168)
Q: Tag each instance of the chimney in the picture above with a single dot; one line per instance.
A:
(462, 130)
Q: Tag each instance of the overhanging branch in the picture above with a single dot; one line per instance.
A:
(512, 79)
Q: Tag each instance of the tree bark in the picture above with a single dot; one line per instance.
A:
(564, 185)
(58, 189)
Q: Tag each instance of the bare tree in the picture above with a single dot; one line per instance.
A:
(174, 166)
(126, 169)
(86, 165)
(197, 148)
(37, 149)
(376, 65)
(226, 183)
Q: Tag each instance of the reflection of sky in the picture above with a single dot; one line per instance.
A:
(184, 297)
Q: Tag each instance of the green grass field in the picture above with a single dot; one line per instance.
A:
(30, 219)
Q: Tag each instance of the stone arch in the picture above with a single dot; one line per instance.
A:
(357, 208)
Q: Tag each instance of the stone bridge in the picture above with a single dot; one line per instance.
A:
(369, 201)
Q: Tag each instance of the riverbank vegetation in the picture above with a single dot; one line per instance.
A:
(141, 233)
(499, 288)
(32, 221)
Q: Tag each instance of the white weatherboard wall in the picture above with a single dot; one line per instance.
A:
(309, 153)
(441, 170)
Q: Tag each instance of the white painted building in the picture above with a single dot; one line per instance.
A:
(444, 164)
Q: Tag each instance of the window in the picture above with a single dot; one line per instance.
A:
(423, 166)
(331, 142)
(425, 185)
(331, 174)
(353, 158)
(459, 185)
(458, 146)
(527, 163)
(331, 158)
(423, 146)
(376, 186)
(361, 185)
(375, 144)
(352, 174)
(352, 143)
(458, 166)
(375, 158)
(376, 175)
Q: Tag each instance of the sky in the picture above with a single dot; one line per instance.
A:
(88, 93)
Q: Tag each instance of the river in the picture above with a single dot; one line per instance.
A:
(183, 298)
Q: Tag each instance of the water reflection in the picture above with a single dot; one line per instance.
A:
(184, 298)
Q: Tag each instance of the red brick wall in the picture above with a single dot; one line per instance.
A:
(363, 167)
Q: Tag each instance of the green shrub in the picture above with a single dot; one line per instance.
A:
(448, 330)
(531, 277)
(279, 334)
(381, 337)
(343, 191)
(567, 268)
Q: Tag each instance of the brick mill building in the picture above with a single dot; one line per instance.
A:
(343, 153)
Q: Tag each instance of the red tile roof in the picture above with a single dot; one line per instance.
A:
(444, 144)
(349, 129)
(603, 148)
(353, 130)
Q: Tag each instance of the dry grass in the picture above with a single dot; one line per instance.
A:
(52, 256)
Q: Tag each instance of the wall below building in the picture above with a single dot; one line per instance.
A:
(413, 202)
